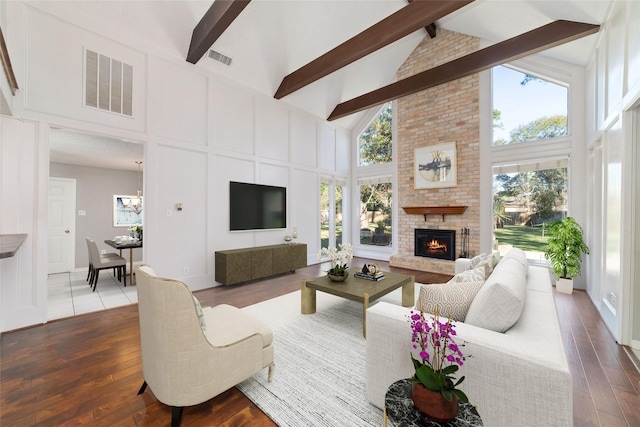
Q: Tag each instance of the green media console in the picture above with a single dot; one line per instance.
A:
(241, 265)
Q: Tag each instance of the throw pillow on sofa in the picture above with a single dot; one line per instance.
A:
(488, 263)
(451, 299)
(499, 303)
(475, 260)
(473, 275)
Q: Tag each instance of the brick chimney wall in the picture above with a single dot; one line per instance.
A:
(445, 113)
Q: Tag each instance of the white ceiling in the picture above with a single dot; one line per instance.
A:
(85, 149)
(272, 38)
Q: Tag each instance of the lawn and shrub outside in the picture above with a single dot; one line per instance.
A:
(527, 238)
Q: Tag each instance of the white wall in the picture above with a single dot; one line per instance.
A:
(23, 202)
(95, 188)
(199, 131)
(613, 89)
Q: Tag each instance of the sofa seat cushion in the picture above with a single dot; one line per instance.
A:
(539, 280)
(451, 299)
(233, 325)
(499, 303)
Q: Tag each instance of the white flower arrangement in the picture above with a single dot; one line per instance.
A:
(137, 228)
(339, 258)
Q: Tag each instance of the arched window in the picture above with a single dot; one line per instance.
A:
(374, 178)
(375, 141)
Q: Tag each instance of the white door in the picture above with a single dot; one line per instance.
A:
(61, 232)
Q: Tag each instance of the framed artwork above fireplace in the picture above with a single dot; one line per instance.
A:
(435, 166)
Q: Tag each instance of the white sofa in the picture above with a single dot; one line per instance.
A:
(517, 378)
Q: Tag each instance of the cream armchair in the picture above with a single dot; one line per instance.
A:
(189, 354)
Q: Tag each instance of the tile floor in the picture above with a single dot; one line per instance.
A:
(70, 294)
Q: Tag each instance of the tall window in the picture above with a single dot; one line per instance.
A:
(527, 108)
(338, 217)
(324, 215)
(331, 210)
(374, 177)
(529, 189)
(374, 144)
(375, 212)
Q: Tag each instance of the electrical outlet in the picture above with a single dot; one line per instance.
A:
(186, 270)
(103, 251)
(613, 299)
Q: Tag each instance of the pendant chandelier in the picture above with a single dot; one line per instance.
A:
(135, 203)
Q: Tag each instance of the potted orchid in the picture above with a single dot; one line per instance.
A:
(435, 390)
(339, 261)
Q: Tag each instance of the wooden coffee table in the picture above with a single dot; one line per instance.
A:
(360, 290)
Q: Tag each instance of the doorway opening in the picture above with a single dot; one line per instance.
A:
(101, 167)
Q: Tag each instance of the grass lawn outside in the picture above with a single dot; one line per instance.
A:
(522, 236)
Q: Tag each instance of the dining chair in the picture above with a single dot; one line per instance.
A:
(107, 255)
(191, 354)
(97, 263)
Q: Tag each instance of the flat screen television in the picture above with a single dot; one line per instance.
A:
(256, 207)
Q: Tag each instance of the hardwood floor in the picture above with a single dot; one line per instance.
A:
(87, 369)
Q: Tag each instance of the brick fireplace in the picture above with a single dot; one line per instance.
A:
(432, 243)
(445, 113)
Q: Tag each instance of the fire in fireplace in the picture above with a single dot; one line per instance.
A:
(431, 243)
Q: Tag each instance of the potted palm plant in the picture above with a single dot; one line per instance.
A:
(565, 248)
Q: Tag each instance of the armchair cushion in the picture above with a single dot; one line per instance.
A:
(232, 325)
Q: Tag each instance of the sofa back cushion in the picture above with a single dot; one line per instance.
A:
(519, 255)
(499, 303)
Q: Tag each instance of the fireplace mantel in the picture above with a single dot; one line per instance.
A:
(435, 210)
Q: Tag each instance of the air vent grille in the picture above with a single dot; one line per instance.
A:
(108, 84)
(217, 56)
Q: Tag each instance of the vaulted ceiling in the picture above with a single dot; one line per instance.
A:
(271, 39)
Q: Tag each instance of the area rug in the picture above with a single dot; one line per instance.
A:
(320, 364)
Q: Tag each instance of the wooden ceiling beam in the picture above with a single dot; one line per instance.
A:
(431, 28)
(217, 19)
(534, 41)
(415, 15)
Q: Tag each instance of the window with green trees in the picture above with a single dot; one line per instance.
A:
(375, 155)
(375, 213)
(527, 108)
(375, 143)
(324, 215)
(529, 189)
(331, 210)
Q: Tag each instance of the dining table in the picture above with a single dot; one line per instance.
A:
(131, 245)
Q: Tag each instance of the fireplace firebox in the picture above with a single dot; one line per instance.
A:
(432, 243)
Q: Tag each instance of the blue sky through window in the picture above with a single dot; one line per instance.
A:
(520, 104)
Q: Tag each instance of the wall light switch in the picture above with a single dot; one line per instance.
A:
(169, 213)
(82, 213)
